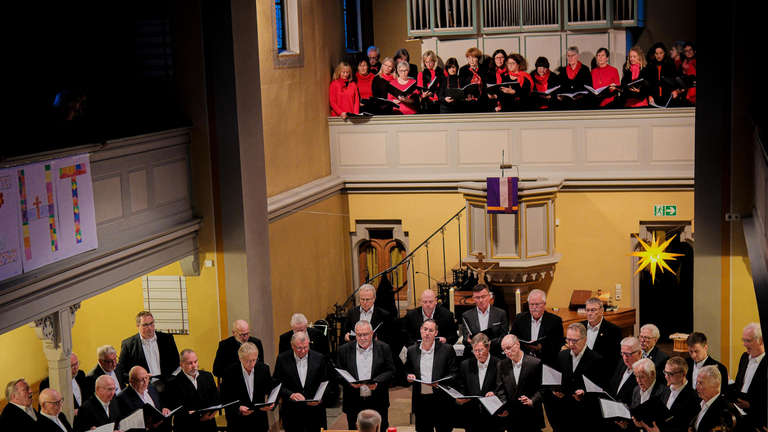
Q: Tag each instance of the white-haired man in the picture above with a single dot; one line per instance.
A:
(367, 311)
(141, 392)
(51, 419)
(750, 387)
(518, 384)
(623, 383)
(649, 337)
(249, 382)
(106, 364)
(543, 328)
(18, 415)
(299, 323)
(603, 337)
(368, 421)
(226, 353)
(713, 403)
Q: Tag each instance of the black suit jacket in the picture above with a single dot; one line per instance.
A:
(498, 324)
(380, 316)
(659, 359)
(713, 417)
(181, 391)
(509, 391)
(298, 415)
(756, 394)
(591, 365)
(85, 389)
(446, 325)
(443, 365)
(14, 418)
(90, 380)
(382, 372)
(711, 362)
(551, 329)
(468, 381)
(132, 354)
(657, 391)
(684, 409)
(233, 388)
(226, 354)
(623, 394)
(129, 401)
(607, 343)
(91, 414)
(317, 341)
(44, 424)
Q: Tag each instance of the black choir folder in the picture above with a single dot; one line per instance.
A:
(632, 84)
(318, 394)
(653, 410)
(396, 92)
(214, 407)
(153, 415)
(429, 87)
(461, 93)
(546, 92)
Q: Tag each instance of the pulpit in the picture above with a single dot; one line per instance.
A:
(512, 252)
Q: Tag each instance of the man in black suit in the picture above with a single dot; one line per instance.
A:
(751, 385)
(195, 389)
(106, 358)
(698, 349)
(141, 392)
(301, 371)
(429, 309)
(366, 360)
(680, 398)
(603, 337)
(99, 409)
(477, 377)
(518, 385)
(649, 336)
(648, 391)
(80, 388)
(317, 339)
(575, 363)
(249, 382)
(378, 317)
(714, 407)
(538, 324)
(51, 419)
(430, 361)
(622, 384)
(226, 353)
(18, 415)
(484, 318)
(153, 350)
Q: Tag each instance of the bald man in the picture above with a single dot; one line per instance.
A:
(430, 309)
(81, 388)
(99, 409)
(141, 392)
(51, 419)
(226, 354)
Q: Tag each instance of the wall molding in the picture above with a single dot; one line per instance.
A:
(298, 198)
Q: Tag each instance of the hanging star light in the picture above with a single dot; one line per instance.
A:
(654, 255)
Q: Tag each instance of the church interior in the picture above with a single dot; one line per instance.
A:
(223, 191)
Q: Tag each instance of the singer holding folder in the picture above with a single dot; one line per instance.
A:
(247, 381)
(196, 390)
(477, 377)
(484, 318)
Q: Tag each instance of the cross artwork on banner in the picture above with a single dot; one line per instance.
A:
(74, 198)
(38, 214)
(10, 253)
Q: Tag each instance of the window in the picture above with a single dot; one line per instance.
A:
(352, 30)
(288, 50)
(166, 298)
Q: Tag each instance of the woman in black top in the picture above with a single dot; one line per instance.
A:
(495, 75)
(573, 77)
(472, 73)
(379, 88)
(661, 76)
(543, 80)
(402, 55)
(447, 103)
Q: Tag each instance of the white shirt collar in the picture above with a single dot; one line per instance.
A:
(680, 387)
(150, 340)
(484, 365)
(700, 364)
(519, 363)
(590, 327)
(362, 350)
(300, 359)
(757, 359)
(431, 350)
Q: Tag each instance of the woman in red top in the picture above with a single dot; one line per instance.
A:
(634, 69)
(605, 75)
(543, 80)
(364, 79)
(495, 75)
(409, 103)
(430, 74)
(472, 73)
(515, 98)
(343, 95)
(688, 69)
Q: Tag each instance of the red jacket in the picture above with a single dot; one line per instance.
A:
(343, 97)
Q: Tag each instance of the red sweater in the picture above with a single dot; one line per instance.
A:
(603, 76)
(343, 97)
(364, 84)
(404, 107)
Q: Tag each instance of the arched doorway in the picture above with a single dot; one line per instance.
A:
(377, 254)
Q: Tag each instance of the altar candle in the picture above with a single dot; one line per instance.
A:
(450, 299)
(517, 301)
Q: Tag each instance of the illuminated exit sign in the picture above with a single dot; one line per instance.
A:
(665, 210)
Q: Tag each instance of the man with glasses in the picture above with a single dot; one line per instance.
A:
(649, 337)
(368, 311)
(749, 391)
(366, 360)
(622, 384)
(477, 377)
(542, 328)
(141, 392)
(195, 389)
(603, 337)
(575, 363)
(153, 350)
(518, 385)
(51, 419)
(680, 398)
(99, 409)
(226, 353)
(80, 388)
(484, 318)
(18, 415)
(107, 362)
(373, 58)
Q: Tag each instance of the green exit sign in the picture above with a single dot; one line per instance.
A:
(665, 210)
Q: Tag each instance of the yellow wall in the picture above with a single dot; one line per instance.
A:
(309, 261)
(108, 318)
(390, 30)
(296, 151)
(421, 215)
(743, 302)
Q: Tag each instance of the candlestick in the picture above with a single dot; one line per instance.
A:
(450, 299)
(518, 306)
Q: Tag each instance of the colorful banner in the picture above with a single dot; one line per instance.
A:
(74, 199)
(37, 211)
(10, 251)
(501, 194)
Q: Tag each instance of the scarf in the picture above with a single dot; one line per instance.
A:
(572, 72)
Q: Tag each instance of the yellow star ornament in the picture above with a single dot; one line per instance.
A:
(654, 255)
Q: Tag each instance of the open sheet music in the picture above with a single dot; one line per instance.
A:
(455, 393)
(550, 376)
(271, 399)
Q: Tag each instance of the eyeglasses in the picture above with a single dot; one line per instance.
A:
(668, 373)
(572, 341)
(593, 309)
(58, 402)
(646, 337)
(628, 354)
